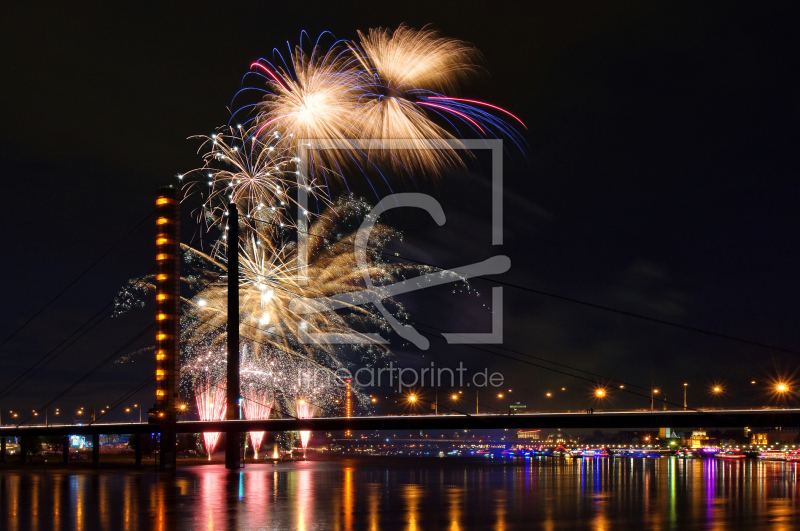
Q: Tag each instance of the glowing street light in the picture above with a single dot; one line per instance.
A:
(781, 387)
(600, 393)
(412, 398)
(653, 392)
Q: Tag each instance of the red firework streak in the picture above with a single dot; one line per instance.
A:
(210, 406)
(304, 411)
(256, 405)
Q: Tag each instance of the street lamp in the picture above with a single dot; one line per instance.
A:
(412, 398)
(600, 393)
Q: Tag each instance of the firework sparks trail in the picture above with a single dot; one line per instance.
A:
(257, 392)
(256, 406)
(210, 406)
(305, 410)
(374, 89)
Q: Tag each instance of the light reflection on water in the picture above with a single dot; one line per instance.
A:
(433, 494)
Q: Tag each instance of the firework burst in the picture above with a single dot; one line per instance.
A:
(392, 91)
(210, 399)
(271, 280)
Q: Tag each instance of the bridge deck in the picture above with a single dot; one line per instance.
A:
(567, 420)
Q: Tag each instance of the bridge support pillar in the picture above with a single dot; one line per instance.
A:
(65, 449)
(2, 449)
(96, 450)
(168, 314)
(138, 441)
(167, 450)
(23, 450)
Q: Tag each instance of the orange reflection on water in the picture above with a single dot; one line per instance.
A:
(412, 495)
(13, 484)
(454, 507)
(348, 498)
(374, 510)
(57, 481)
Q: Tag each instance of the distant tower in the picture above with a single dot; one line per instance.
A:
(348, 404)
(168, 260)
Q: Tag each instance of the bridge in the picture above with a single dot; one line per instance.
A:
(716, 418)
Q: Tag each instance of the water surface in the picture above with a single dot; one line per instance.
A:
(381, 494)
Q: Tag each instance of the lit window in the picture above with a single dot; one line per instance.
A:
(162, 221)
(163, 201)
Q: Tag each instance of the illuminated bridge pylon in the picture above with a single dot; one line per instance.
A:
(168, 262)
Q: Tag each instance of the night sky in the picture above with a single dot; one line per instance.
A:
(660, 178)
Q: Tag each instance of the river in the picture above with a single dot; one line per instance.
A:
(377, 493)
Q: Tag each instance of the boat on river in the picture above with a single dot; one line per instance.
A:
(772, 455)
(732, 454)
